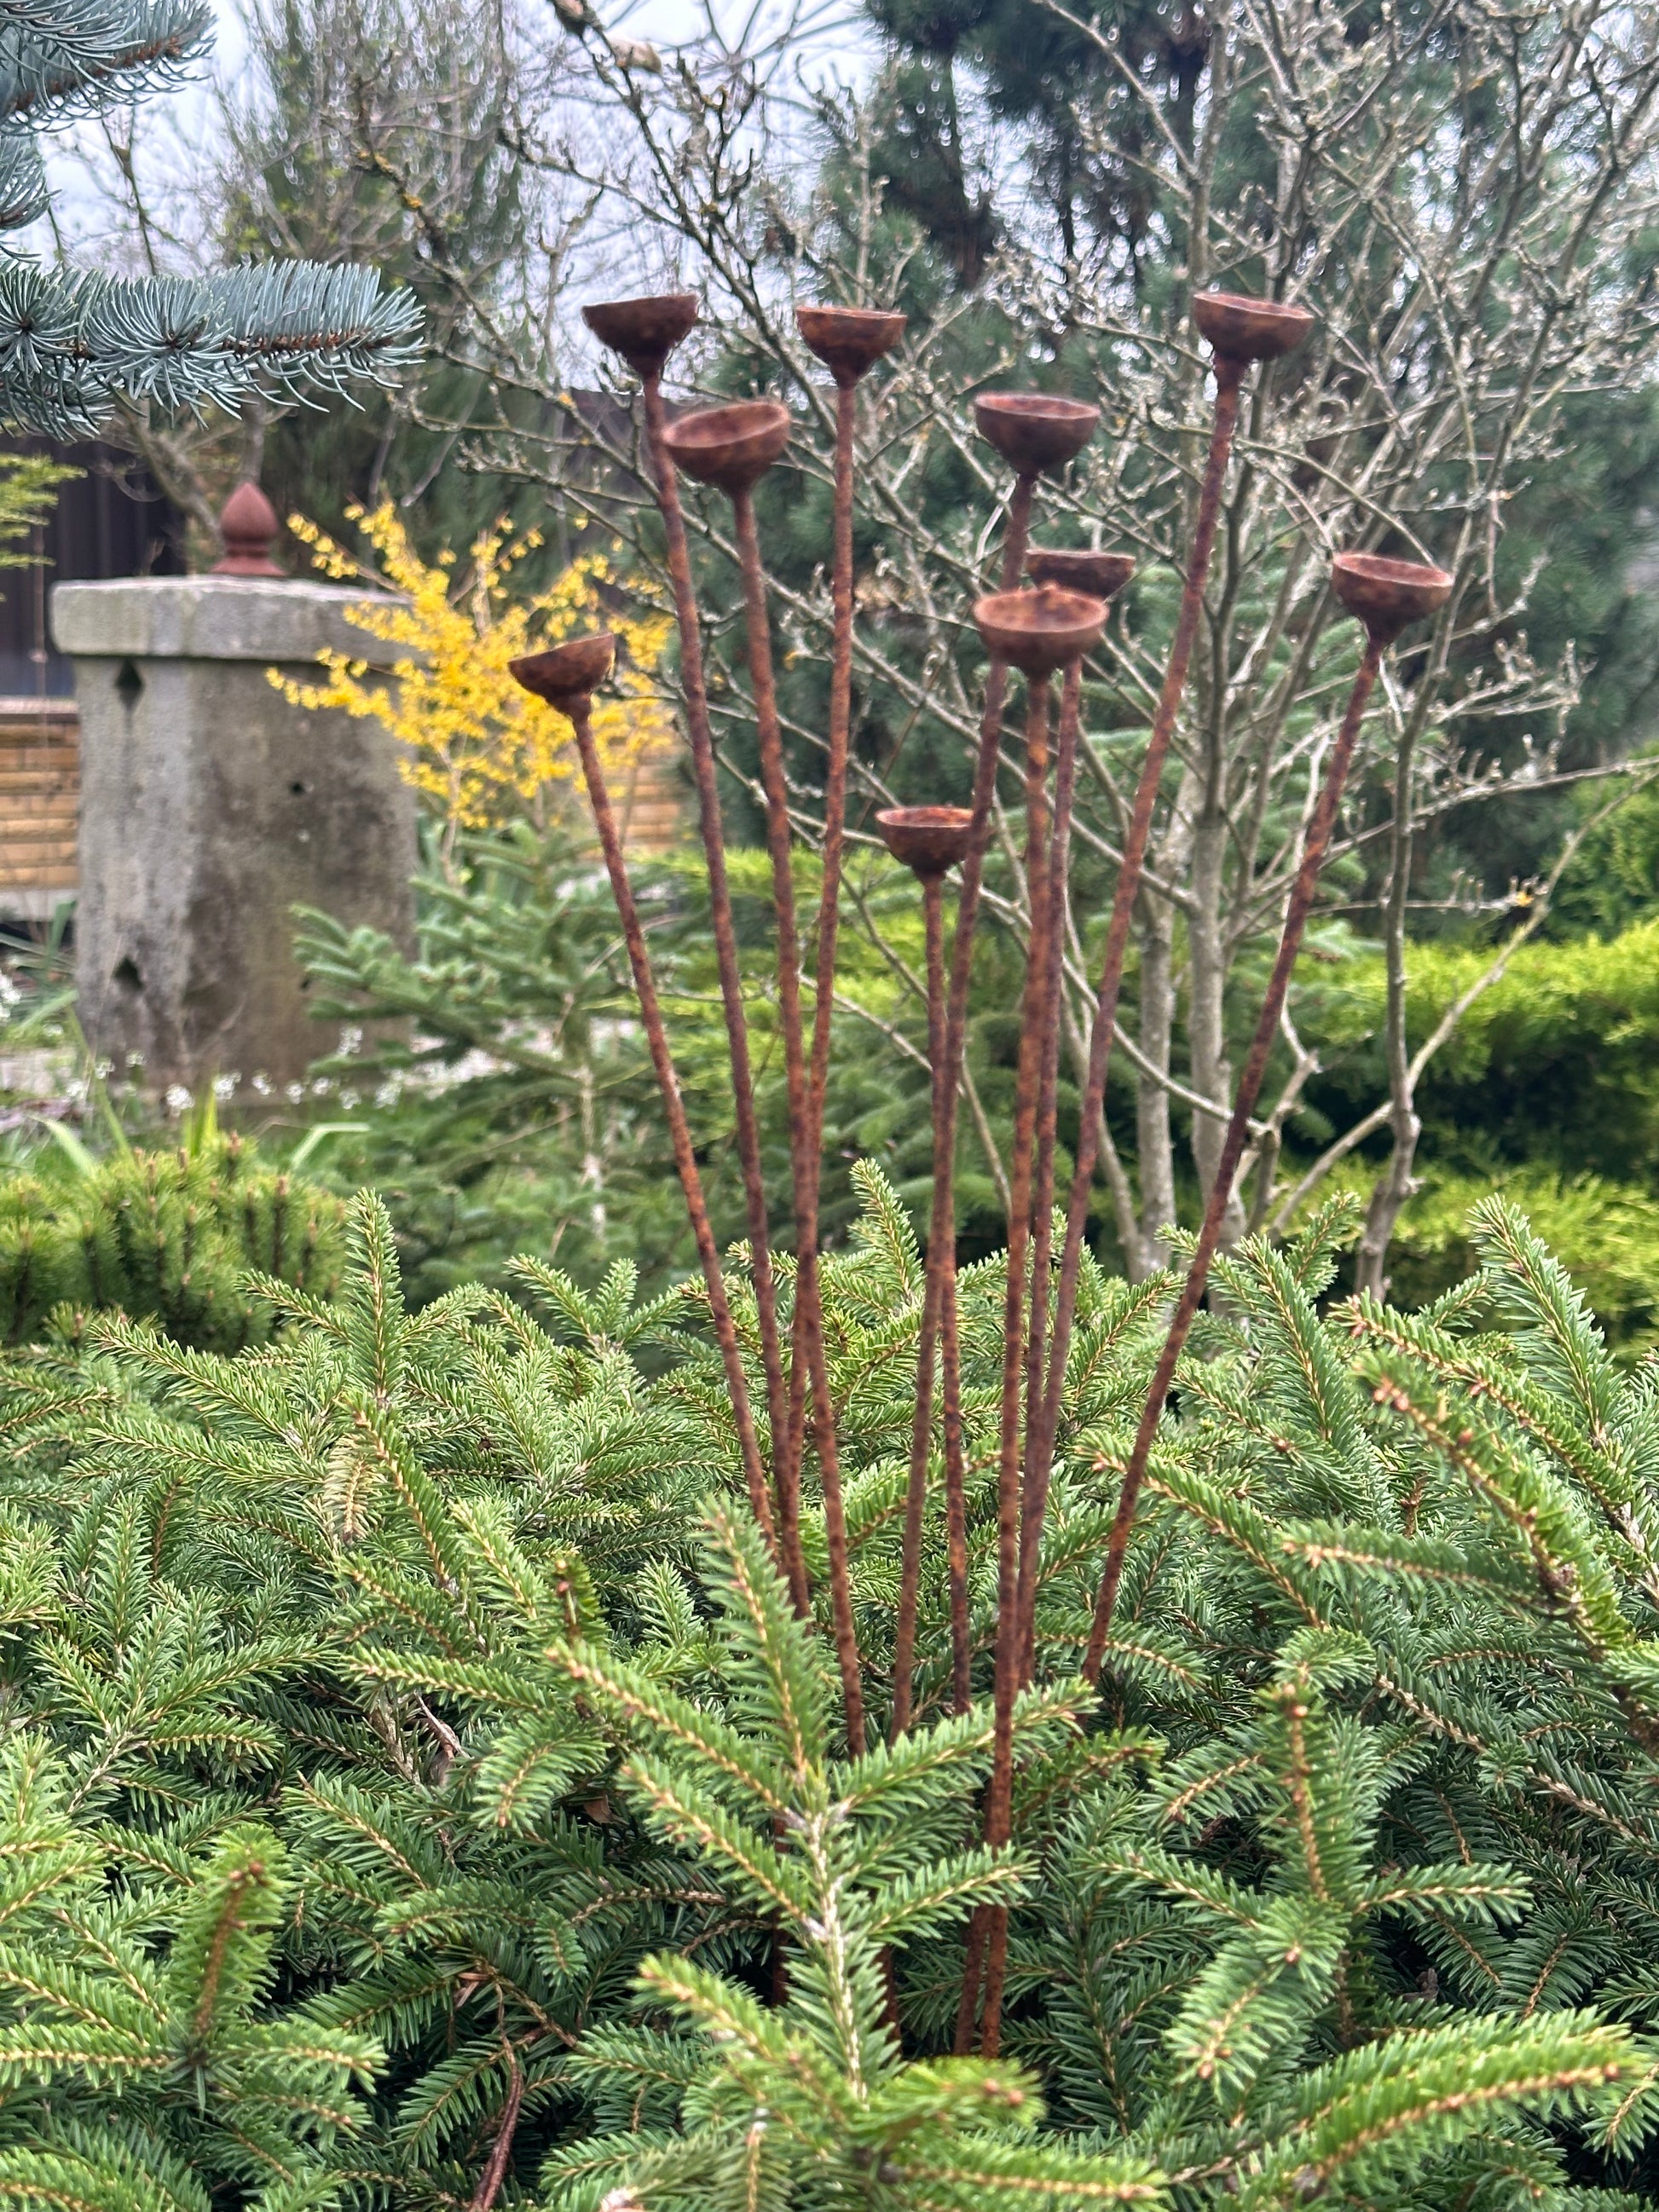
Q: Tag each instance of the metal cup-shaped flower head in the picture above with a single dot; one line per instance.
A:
(1243, 329)
(848, 340)
(928, 839)
(567, 672)
(730, 446)
(643, 332)
(1040, 630)
(1386, 594)
(1034, 430)
(1101, 575)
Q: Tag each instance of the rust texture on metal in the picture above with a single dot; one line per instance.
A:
(1384, 594)
(1035, 433)
(1385, 603)
(809, 1367)
(1040, 630)
(929, 841)
(566, 677)
(938, 1311)
(644, 331)
(956, 1497)
(731, 448)
(1230, 371)
(1101, 575)
(1000, 1796)
(1243, 330)
(921, 1426)
(1035, 1501)
(849, 341)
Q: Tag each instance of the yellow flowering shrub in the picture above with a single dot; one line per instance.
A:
(475, 742)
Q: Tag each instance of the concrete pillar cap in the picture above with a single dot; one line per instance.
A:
(218, 617)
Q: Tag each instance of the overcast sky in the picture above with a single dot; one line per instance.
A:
(177, 129)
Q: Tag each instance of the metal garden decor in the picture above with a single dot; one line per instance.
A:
(1044, 630)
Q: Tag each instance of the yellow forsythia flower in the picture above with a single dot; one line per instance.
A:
(474, 741)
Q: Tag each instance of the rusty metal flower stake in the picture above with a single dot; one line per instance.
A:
(849, 341)
(1042, 631)
(1036, 434)
(1037, 631)
(1102, 576)
(567, 679)
(931, 840)
(645, 331)
(732, 448)
(1240, 331)
(1385, 596)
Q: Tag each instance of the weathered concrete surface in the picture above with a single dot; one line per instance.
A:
(210, 808)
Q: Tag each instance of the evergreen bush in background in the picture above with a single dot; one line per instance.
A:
(419, 1794)
(163, 1236)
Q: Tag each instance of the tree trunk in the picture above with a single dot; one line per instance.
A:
(1212, 1069)
(1157, 1192)
(1396, 1184)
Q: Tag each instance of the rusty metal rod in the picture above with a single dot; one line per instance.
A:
(1033, 1504)
(809, 1309)
(956, 1501)
(1229, 373)
(835, 815)
(645, 990)
(939, 1316)
(695, 686)
(941, 1278)
(835, 823)
(904, 1641)
(1027, 1078)
(1232, 1149)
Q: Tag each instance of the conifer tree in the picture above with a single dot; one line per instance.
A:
(71, 341)
(417, 1791)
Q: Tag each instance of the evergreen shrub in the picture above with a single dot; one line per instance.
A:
(419, 1793)
(166, 1236)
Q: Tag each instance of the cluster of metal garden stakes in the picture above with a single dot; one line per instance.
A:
(1044, 631)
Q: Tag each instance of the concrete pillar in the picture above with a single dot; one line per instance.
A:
(210, 808)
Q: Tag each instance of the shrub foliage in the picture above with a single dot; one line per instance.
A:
(418, 1791)
(168, 1236)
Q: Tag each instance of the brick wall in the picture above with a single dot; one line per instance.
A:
(39, 792)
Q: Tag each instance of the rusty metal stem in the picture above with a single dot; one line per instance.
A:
(956, 1501)
(809, 1314)
(835, 823)
(1035, 1504)
(726, 952)
(999, 1798)
(941, 1278)
(962, 2042)
(645, 988)
(1232, 1149)
(1229, 375)
(921, 1426)
(939, 1313)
